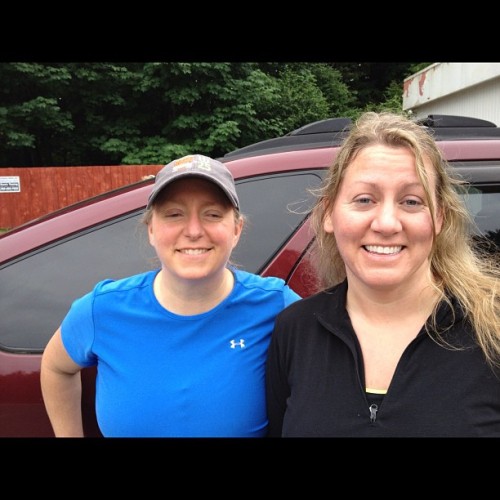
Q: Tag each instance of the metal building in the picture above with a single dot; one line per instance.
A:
(466, 89)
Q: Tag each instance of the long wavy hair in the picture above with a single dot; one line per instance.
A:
(458, 269)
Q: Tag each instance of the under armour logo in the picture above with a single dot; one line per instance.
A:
(241, 343)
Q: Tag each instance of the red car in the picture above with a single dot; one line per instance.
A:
(49, 262)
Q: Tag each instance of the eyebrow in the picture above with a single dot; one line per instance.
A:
(368, 183)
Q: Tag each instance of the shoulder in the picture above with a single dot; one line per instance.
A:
(324, 303)
(265, 287)
(112, 294)
(128, 283)
(250, 280)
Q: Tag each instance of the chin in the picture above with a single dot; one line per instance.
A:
(382, 281)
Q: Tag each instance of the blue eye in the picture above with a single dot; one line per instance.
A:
(363, 201)
(214, 215)
(412, 203)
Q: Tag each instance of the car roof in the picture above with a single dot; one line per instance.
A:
(332, 131)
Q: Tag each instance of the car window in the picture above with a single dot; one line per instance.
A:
(484, 203)
(40, 287)
(37, 290)
(274, 207)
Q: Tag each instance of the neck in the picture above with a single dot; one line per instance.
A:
(192, 297)
(401, 303)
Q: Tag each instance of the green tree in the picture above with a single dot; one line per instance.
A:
(151, 112)
(309, 92)
(209, 108)
(393, 94)
(31, 117)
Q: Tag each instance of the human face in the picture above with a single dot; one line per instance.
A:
(381, 220)
(193, 230)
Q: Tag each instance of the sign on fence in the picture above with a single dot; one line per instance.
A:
(10, 184)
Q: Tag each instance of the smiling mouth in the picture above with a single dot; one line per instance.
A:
(383, 250)
(194, 251)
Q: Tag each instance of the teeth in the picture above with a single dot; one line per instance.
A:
(194, 251)
(383, 250)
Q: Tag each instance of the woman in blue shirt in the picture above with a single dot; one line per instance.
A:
(180, 351)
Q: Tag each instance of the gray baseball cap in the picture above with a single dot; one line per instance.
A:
(196, 166)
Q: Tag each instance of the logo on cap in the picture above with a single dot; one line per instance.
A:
(191, 163)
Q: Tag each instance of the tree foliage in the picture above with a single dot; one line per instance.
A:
(109, 113)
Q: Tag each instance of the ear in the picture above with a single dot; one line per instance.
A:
(327, 223)
(439, 219)
(238, 229)
(151, 233)
(327, 209)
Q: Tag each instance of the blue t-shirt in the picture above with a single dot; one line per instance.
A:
(164, 375)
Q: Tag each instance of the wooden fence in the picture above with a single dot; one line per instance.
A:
(29, 192)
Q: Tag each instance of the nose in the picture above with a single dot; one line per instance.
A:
(194, 226)
(386, 219)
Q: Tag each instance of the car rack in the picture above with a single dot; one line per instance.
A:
(332, 131)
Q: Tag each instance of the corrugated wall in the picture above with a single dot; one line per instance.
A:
(481, 101)
(44, 189)
(466, 89)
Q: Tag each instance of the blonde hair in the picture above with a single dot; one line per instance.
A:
(458, 270)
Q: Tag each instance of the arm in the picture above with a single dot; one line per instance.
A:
(277, 390)
(61, 389)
